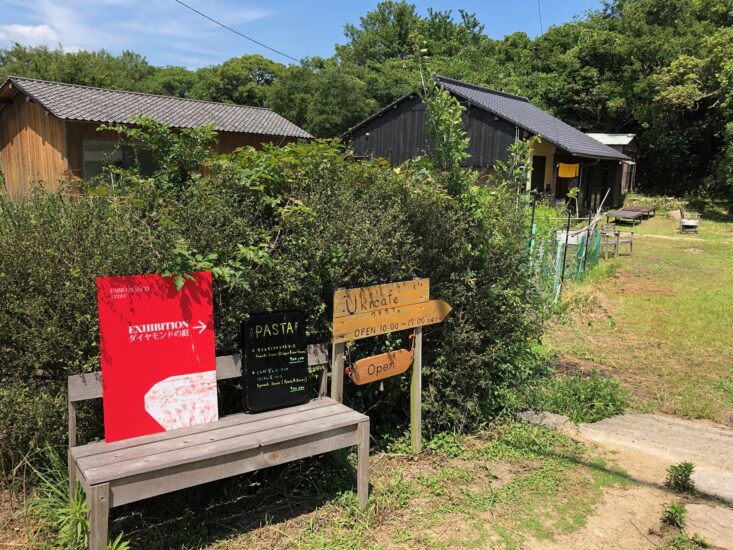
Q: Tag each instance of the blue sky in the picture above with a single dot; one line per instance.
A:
(169, 34)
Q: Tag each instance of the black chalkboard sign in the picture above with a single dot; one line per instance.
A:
(275, 361)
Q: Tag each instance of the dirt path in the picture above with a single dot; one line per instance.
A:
(627, 518)
(672, 440)
(644, 445)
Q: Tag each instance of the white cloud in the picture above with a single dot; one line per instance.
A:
(58, 24)
(116, 25)
(245, 16)
(75, 32)
(30, 35)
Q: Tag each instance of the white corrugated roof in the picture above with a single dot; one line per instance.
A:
(612, 139)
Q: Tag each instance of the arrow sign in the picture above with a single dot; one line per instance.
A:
(367, 299)
(201, 327)
(389, 319)
(381, 366)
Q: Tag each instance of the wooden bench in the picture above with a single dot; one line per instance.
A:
(117, 473)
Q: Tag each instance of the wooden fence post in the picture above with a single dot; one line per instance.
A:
(416, 395)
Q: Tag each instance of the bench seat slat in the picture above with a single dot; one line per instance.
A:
(204, 452)
(221, 433)
(229, 420)
(178, 477)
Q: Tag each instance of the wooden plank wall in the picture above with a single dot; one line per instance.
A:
(229, 141)
(490, 136)
(401, 133)
(77, 132)
(396, 135)
(32, 147)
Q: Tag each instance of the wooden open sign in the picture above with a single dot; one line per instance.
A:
(380, 309)
(381, 366)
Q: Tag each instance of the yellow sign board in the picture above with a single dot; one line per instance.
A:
(381, 366)
(356, 301)
(389, 319)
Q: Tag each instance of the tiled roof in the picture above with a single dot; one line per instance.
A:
(521, 112)
(73, 102)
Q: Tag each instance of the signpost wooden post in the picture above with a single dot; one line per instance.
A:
(416, 395)
(380, 309)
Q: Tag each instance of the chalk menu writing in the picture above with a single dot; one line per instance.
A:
(275, 361)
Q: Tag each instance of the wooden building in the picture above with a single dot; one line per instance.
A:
(48, 130)
(629, 146)
(563, 158)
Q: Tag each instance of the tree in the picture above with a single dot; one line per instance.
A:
(657, 68)
(243, 80)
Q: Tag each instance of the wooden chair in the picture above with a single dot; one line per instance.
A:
(689, 221)
(134, 469)
(613, 238)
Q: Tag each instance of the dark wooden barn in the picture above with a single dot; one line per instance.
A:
(48, 130)
(563, 158)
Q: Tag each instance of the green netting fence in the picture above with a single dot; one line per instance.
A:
(554, 262)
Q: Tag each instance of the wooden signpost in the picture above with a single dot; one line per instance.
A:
(380, 309)
(347, 302)
(389, 319)
(381, 366)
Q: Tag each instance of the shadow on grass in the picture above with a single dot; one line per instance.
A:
(221, 510)
(602, 467)
(714, 210)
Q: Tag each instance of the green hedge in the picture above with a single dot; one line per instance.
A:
(282, 228)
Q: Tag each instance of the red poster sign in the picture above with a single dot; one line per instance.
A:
(157, 351)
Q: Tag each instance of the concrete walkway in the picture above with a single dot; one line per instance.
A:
(645, 445)
(673, 440)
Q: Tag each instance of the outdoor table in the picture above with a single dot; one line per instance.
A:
(647, 211)
(625, 215)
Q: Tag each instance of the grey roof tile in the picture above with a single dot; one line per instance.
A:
(521, 112)
(74, 102)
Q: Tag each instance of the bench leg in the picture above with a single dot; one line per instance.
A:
(362, 468)
(72, 477)
(98, 502)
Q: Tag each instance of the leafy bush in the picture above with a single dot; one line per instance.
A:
(282, 227)
(662, 203)
(446, 444)
(582, 398)
(674, 515)
(679, 477)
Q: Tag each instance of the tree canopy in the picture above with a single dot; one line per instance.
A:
(662, 69)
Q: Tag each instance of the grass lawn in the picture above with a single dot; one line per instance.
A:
(501, 489)
(661, 320)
